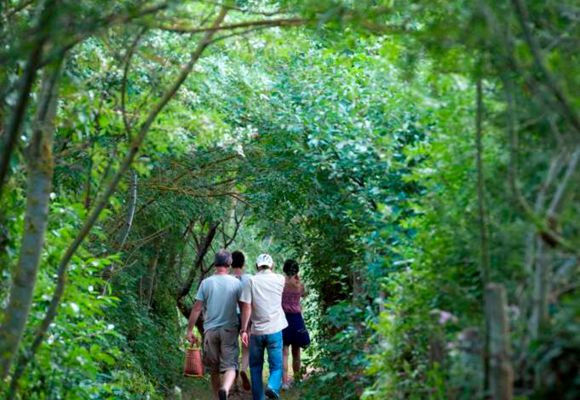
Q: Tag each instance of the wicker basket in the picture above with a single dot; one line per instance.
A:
(193, 365)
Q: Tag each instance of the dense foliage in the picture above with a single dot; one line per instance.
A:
(408, 154)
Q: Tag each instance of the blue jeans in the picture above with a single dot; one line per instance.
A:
(273, 344)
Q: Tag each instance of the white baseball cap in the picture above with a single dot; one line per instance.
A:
(264, 260)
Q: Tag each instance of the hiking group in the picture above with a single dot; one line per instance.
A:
(263, 310)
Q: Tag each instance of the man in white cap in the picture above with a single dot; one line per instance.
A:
(261, 300)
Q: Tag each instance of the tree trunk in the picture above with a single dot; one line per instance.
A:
(40, 171)
(18, 114)
(540, 295)
(484, 259)
(501, 371)
(201, 253)
(103, 199)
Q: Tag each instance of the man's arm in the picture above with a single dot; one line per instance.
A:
(246, 313)
(195, 311)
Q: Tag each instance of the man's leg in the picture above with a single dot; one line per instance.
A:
(245, 358)
(229, 353)
(244, 369)
(256, 366)
(211, 358)
(215, 384)
(275, 361)
(229, 378)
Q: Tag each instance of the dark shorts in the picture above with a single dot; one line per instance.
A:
(296, 333)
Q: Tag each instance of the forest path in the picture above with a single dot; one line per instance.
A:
(201, 390)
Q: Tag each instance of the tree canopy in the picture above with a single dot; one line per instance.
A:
(418, 158)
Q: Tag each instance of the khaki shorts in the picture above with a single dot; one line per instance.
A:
(221, 349)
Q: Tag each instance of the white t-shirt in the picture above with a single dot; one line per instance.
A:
(264, 292)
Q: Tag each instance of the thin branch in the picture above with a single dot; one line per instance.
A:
(553, 170)
(186, 173)
(550, 81)
(17, 116)
(131, 210)
(237, 226)
(240, 33)
(189, 228)
(104, 198)
(90, 28)
(563, 186)
(126, 68)
(540, 223)
(19, 7)
(142, 242)
(202, 251)
(508, 62)
(190, 193)
(107, 171)
(247, 24)
(245, 11)
(146, 239)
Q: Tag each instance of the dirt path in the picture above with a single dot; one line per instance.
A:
(200, 390)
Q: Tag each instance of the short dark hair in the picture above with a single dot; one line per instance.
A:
(291, 267)
(238, 259)
(223, 258)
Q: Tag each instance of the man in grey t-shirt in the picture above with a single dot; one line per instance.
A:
(218, 297)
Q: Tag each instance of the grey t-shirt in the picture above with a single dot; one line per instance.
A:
(243, 278)
(264, 292)
(220, 295)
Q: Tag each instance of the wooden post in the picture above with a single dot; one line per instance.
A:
(541, 290)
(501, 371)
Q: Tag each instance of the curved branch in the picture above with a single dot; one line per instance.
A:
(19, 7)
(202, 250)
(563, 186)
(131, 210)
(104, 198)
(126, 68)
(247, 24)
(201, 253)
(539, 222)
(524, 18)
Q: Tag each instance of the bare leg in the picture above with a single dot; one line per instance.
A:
(285, 352)
(229, 378)
(244, 368)
(296, 362)
(245, 358)
(215, 384)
